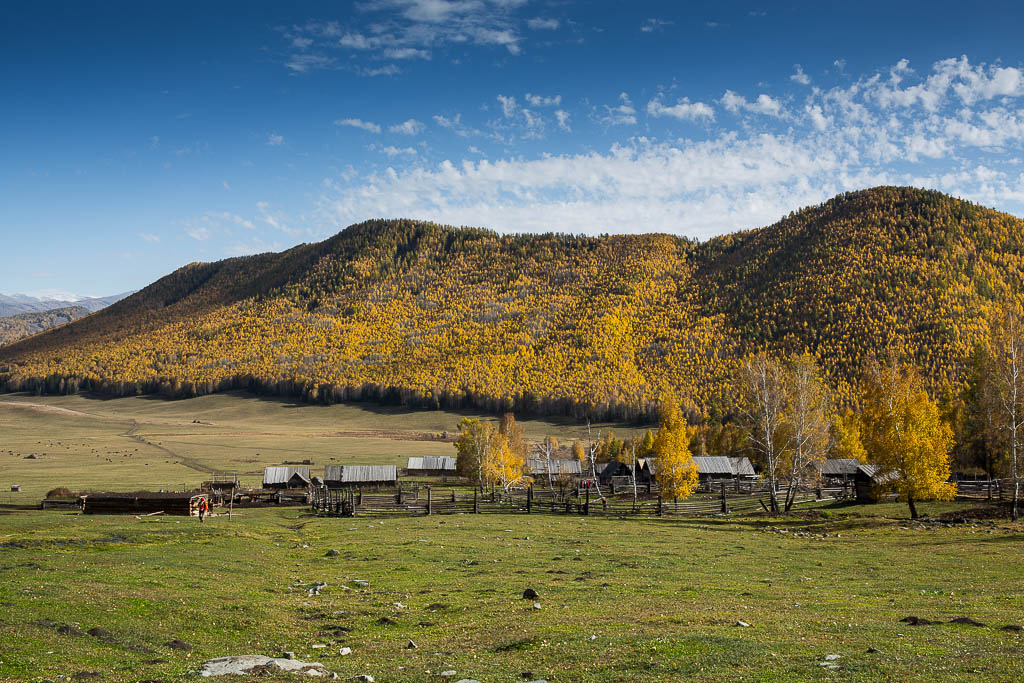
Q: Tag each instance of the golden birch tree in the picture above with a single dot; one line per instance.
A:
(676, 473)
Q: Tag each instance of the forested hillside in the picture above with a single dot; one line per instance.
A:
(431, 315)
(15, 327)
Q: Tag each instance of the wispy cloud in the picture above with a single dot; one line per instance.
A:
(410, 127)
(684, 110)
(799, 76)
(652, 25)
(275, 140)
(958, 127)
(149, 237)
(543, 101)
(409, 29)
(622, 114)
(542, 24)
(368, 126)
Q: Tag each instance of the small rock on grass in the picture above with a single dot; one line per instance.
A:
(536, 605)
(411, 645)
(742, 623)
(345, 651)
(450, 673)
(332, 553)
(530, 594)
(363, 678)
(967, 621)
(178, 645)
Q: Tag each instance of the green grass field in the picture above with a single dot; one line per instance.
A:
(645, 600)
(621, 600)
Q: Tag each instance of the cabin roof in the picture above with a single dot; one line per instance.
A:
(838, 467)
(283, 475)
(355, 474)
(444, 463)
(557, 466)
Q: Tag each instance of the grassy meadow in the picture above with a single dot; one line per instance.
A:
(152, 443)
(620, 600)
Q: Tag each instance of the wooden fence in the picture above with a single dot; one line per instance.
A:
(430, 501)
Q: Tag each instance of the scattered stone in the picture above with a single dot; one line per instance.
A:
(178, 645)
(590, 637)
(332, 553)
(70, 631)
(319, 646)
(536, 605)
(246, 664)
(450, 673)
(530, 594)
(386, 621)
(467, 680)
(316, 588)
(411, 645)
(918, 621)
(99, 633)
(1012, 628)
(363, 678)
(436, 606)
(742, 624)
(425, 623)
(832, 658)
(289, 655)
(873, 651)
(345, 651)
(316, 673)
(361, 583)
(967, 621)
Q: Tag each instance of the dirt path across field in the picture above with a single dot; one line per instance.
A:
(187, 462)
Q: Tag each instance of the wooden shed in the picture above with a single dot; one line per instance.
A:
(871, 483)
(838, 469)
(286, 478)
(743, 468)
(614, 471)
(345, 476)
(144, 503)
(431, 466)
(714, 468)
(557, 468)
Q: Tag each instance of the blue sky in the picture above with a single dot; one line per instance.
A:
(138, 137)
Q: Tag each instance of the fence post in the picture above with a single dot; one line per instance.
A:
(817, 492)
(529, 499)
(453, 495)
(428, 500)
(725, 503)
(586, 505)
(612, 485)
(659, 505)
(476, 504)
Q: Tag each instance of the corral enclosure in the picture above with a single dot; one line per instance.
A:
(149, 443)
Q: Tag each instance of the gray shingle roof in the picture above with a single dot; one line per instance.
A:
(838, 467)
(282, 475)
(742, 467)
(441, 463)
(714, 464)
(356, 474)
(558, 467)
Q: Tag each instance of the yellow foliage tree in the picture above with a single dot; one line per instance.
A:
(846, 436)
(904, 435)
(675, 470)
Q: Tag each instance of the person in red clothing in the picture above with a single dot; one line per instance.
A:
(202, 509)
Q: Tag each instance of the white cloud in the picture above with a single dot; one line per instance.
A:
(408, 29)
(275, 218)
(799, 76)
(562, 117)
(956, 126)
(226, 186)
(539, 24)
(368, 126)
(199, 233)
(275, 140)
(540, 101)
(623, 114)
(508, 106)
(149, 237)
(764, 104)
(652, 25)
(410, 127)
(683, 110)
(393, 151)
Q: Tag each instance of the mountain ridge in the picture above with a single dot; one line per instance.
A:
(431, 315)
